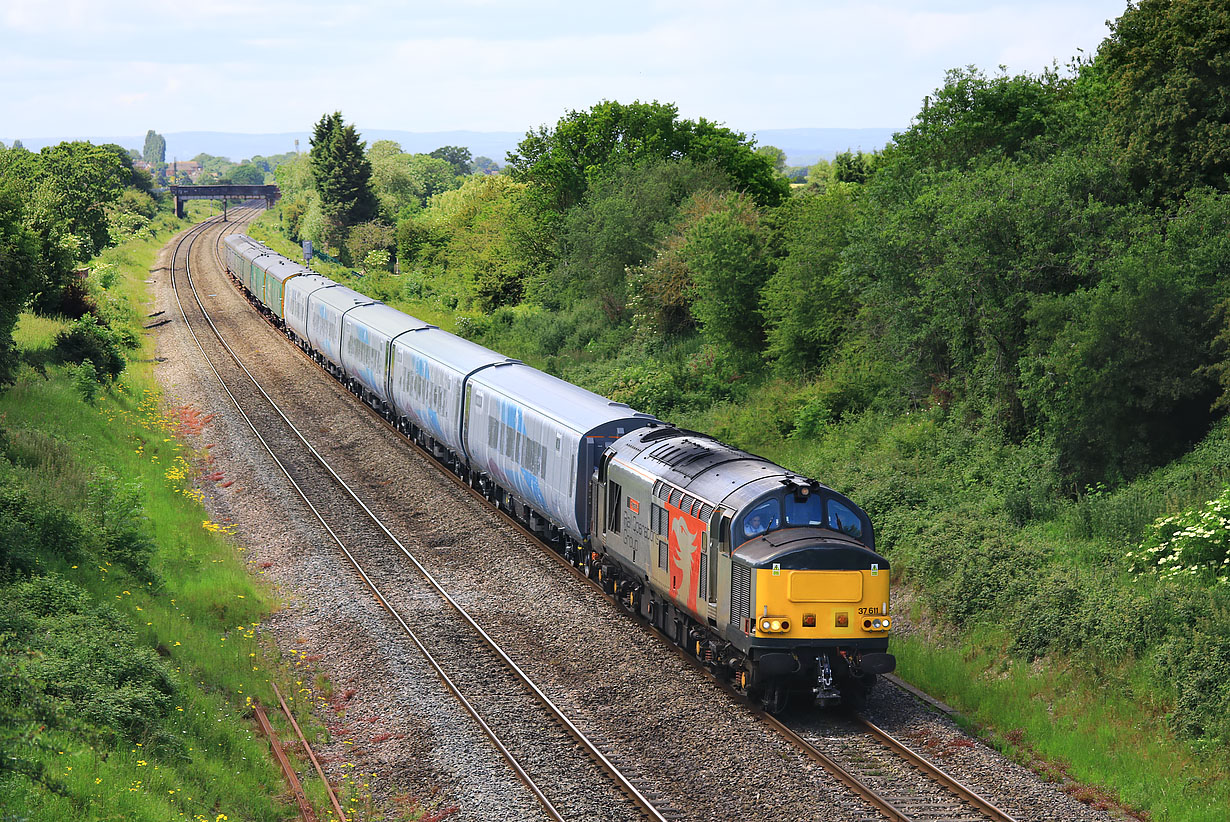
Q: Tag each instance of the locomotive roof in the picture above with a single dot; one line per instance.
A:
(705, 467)
(552, 397)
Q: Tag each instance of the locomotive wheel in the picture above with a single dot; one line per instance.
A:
(775, 699)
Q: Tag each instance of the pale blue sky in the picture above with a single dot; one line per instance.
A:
(118, 67)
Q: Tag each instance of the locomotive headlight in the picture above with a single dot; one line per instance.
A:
(776, 625)
(875, 624)
(766, 625)
(887, 624)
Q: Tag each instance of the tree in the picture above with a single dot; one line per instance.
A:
(775, 155)
(585, 145)
(485, 165)
(457, 157)
(246, 174)
(973, 115)
(725, 250)
(155, 150)
(342, 172)
(1168, 66)
(20, 261)
(809, 306)
(620, 220)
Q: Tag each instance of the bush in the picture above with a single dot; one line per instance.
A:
(30, 528)
(84, 654)
(88, 339)
(1193, 543)
(85, 380)
(122, 527)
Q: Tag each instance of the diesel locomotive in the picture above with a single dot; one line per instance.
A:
(769, 578)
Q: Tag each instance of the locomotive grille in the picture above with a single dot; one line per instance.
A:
(687, 503)
(676, 495)
(740, 594)
(706, 511)
(661, 553)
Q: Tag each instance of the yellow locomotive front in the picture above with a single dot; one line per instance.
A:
(814, 611)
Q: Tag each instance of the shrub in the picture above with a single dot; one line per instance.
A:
(30, 528)
(85, 655)
(1192, 543)
(88, 339)
(85, 380)
(123, 529)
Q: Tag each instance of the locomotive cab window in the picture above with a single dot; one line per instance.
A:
(766, 516)
(842, 519)
(808, 510)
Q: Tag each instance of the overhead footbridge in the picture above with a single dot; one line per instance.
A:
(182, 194)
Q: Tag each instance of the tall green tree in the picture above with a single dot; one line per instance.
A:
(20, 261)
(342, 172)
(155, 150)
(726, 250)
(456, 156)
(808, 303)
(585, 145)
(1167, 63)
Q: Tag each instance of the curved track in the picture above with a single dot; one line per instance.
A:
(533, 735)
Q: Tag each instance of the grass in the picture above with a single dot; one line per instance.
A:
(1069, 726)
(202, 609)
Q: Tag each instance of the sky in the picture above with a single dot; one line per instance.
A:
(119, 67)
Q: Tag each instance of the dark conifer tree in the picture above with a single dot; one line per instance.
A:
(342, 172)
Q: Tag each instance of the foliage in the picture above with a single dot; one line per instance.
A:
(85, 655)
(619, 221)
(1166, 66)
(456, 156)
(585, 145)
(404, 183)
(89, 339)
(85, 380)
(1195, 542)
(973, 115)
(368, 238)
(808, 305)
(155, 150)
(342, 172)
(21, 269)
(725, 251)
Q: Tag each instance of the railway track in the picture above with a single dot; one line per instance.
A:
(568, 772)
(898, 783)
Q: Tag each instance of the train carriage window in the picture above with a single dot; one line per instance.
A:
(493, 433)
(807, 510)
(559, 441)
(842, 519)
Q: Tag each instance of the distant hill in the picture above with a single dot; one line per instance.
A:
(803, 146)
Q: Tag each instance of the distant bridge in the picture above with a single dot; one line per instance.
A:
(184, 193)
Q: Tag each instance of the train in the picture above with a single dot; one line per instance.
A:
(770, 579)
